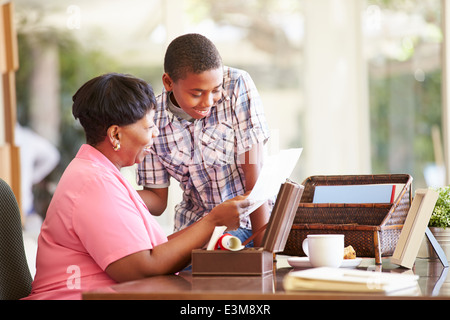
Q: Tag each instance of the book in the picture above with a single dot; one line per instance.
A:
(376, 193)
(348, 280)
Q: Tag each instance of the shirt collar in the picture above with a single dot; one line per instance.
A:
(166, 111)
(177, 111)
(88, 152)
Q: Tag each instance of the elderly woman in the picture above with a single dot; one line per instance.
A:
(97, 230)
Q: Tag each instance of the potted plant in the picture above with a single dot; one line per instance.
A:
(439, 223)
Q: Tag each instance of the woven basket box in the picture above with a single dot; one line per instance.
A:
(372, 229)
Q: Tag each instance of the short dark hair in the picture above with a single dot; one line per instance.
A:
(190, 53)
(111, 99)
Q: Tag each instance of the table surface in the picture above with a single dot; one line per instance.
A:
(433, 283)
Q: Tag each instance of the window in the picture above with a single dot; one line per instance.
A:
(356, 83)
(402, 42)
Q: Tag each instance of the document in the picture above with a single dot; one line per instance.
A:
(276, 169)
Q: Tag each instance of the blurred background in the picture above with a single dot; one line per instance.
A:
(356, 83)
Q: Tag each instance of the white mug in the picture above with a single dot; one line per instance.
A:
(324, 250)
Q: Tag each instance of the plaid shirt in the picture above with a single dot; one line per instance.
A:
(203, 154)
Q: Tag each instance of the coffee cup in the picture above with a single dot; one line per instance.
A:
(324, 250)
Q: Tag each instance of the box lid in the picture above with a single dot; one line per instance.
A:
(282, 217)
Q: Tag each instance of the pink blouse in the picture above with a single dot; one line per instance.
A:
(96, 217)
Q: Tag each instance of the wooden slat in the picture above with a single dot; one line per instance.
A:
(10, 105)
(9, 64)
(10, 54)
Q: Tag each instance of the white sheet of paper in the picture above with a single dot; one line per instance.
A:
(276, 169)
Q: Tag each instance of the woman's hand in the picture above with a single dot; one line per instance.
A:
(228, 213)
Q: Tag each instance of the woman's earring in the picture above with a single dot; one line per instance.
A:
(117, 146)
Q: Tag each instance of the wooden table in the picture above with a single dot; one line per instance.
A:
(434, 283)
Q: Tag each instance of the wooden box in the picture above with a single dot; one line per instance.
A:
(373, 229)
(254, 261)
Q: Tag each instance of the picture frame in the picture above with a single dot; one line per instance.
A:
(415, 227)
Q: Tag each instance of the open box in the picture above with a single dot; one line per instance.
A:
(254, 261)
(373, 229)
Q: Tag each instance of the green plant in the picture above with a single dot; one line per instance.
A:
(440, 217)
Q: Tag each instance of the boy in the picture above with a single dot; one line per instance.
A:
(212, 130)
